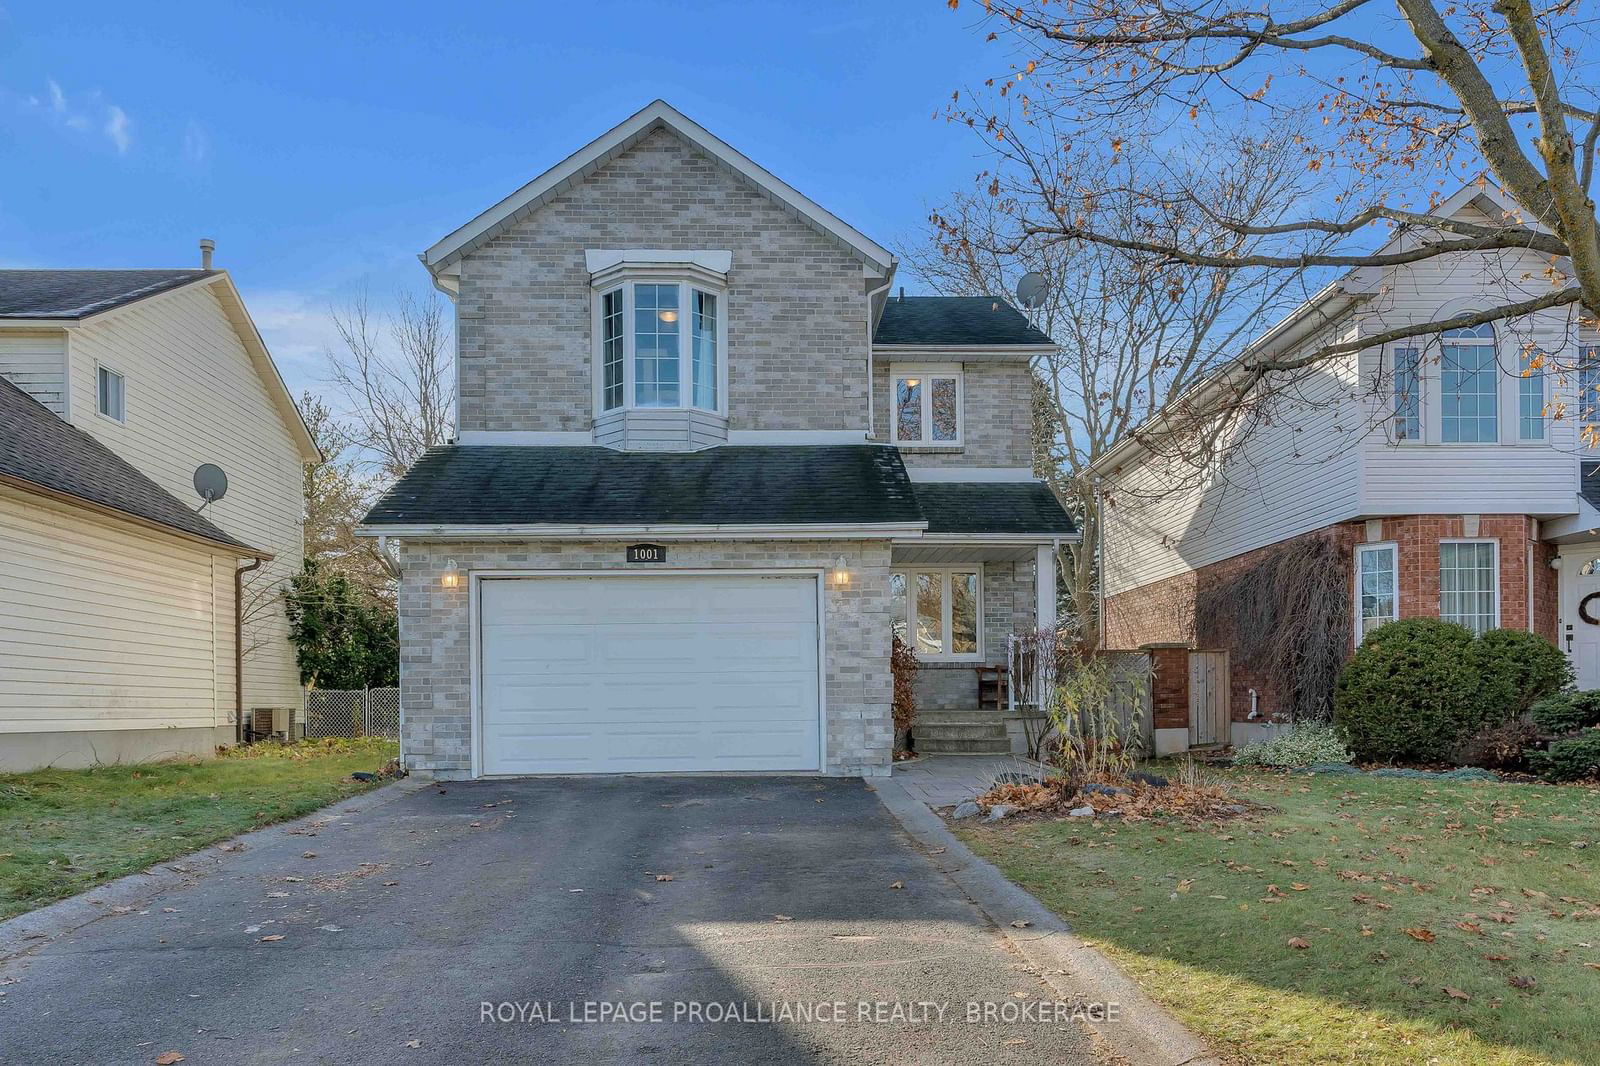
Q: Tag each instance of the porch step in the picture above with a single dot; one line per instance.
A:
(958, 730)
(986, 746)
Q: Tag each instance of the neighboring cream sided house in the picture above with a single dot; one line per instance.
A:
(1452, 484)
(117, 580)
(707, 464)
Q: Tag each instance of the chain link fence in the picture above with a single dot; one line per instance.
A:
(332, 712)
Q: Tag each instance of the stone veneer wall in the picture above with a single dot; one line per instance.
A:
(436, 659)
(1163, 612)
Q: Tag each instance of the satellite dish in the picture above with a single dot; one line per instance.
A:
(1031, 290)
(210, 482)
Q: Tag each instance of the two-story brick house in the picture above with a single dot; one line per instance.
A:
(706, 465)
(1451, 472)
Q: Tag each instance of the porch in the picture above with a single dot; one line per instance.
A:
(960, 604)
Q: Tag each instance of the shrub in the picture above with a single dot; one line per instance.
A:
(903, 669)
(1295, 748)
(1499, 747)
(1409, 692)
(1567, 712)
(1515, 669)
(1572, 759)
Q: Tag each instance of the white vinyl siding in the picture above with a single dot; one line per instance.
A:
(36, 363)
(1469, 583)
(201, 399)
(108, 626)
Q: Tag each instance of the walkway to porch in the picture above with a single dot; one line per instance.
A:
(945, 780)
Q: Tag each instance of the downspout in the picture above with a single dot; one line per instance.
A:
(1100, 565)
(872, 407)
(238, 648)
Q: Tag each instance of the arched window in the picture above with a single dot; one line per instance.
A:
(1469, 409)
(1589, 568)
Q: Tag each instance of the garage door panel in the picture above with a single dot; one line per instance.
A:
(647, 674)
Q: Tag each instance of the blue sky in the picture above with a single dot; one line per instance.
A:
(324, 145)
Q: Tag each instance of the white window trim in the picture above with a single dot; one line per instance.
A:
(1494, 565)
(946, 605)
(107, 367)
(899, 372)
(687, 281)
(1380, 545)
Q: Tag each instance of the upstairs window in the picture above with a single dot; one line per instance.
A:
(1588, 396)
(927, 406)
(1530, 399)
(660, 346)
(1407, 394)
(1469, 386)
(110, 397)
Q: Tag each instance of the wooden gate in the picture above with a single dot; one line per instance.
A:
(1208, 698)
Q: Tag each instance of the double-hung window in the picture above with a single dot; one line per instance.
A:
(660, 345)
(110, 394)
(1588, 396)
(927, 406)
(1530, 398)
(938, 612)
(1469, 386)
(1377, 588)
(1469, 584)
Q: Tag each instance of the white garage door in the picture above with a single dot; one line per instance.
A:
(648, 674)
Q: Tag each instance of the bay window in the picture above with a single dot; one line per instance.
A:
(1469, 584)
(660, 346)
(927, 406)
(938, 612)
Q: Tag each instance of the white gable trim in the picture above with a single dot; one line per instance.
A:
(657, 115)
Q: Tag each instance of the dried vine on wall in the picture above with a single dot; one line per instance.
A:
(1286, 618)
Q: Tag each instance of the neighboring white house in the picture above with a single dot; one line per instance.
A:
(1448, 470)
(117, 603)
(708, 466)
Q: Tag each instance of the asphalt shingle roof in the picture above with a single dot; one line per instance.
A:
(38, 447)
(848, 484)
(69, 294)
(973, 321)
(992, 507)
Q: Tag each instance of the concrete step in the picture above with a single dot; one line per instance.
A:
(986, 746)
(958, 730)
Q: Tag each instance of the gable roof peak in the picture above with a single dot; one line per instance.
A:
(442, 257)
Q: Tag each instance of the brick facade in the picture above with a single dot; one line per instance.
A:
(797, 311)
(997, 414)
(435, 634)
(1163, 612)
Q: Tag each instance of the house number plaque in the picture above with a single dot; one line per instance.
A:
(647, 553)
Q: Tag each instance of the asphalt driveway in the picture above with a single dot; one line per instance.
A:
(734, 919)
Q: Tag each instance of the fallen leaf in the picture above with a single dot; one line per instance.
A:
(413, 1043)
(1021, 923)
(1424, 935)
(272, 938)
(308, 854)
(167, 1058)
(663, 877)
(474, 825)
(1299, 943)
(782, 918)
(1298, 887)
(1185, 885)
(1470, 927)
(898, 884)
(1524, 983)
(1455, 993)
(1497, 958)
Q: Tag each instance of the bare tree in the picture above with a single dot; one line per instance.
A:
(1400, 110)
(337, 496)
(1133, 328)
(395, 376)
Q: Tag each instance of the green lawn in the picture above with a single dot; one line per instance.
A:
(1423, 907)
(62, 831)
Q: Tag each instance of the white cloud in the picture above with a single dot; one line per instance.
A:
(117, 128)
(299, 332)
(84, 113)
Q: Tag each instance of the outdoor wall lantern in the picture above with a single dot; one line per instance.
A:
(451, 578)
(841, 572)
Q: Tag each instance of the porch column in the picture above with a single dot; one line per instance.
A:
(1044, 575)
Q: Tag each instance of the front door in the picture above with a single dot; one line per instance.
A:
(1580, 596)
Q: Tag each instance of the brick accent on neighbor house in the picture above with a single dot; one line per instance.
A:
(796, 309)
(435, 631)
(1164, 611)
(1169, 685)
